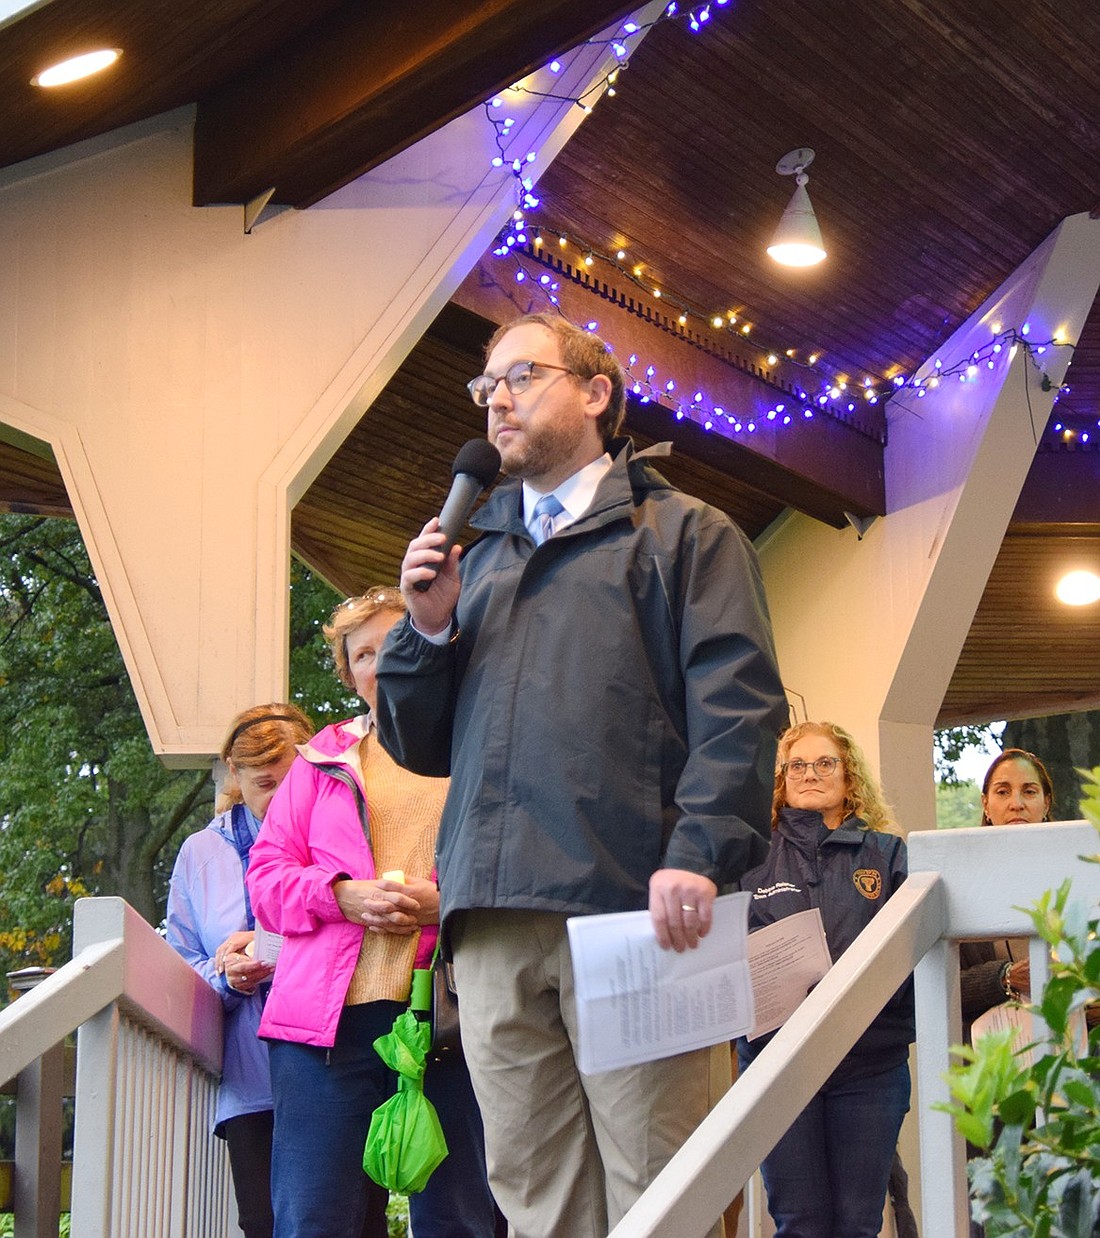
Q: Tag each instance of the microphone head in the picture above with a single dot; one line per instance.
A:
(478, 459)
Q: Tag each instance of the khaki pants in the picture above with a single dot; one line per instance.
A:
(568, 1154)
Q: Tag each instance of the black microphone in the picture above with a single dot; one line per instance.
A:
(476, 466)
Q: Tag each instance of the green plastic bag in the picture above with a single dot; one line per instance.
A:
(405, 1142)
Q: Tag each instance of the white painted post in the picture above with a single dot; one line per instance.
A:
(989, 876)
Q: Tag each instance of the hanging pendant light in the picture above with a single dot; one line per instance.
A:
(797, 240)
(77, 67)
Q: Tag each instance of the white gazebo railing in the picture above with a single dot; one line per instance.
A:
(988, 876)
(149, 1045)
(962, 884)
(149, 1050)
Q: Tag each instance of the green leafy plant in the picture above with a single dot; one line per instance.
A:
(1035, 1113)
(397, 1216)
(7, 1225)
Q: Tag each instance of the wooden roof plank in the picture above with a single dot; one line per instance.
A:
(371, 79)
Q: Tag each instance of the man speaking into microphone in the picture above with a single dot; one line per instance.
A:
(597, 676)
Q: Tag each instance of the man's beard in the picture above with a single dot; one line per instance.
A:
(543, 450)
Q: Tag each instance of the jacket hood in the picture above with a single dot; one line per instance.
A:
(223, 824)
(334, 741)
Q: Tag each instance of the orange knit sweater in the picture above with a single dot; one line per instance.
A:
(403, 810)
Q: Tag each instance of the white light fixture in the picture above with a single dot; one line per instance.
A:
(797, 240)
(77, 67)
(1079, 588)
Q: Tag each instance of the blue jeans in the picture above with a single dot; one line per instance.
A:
(324, 1099)
(827, 1176)
(249, 1142)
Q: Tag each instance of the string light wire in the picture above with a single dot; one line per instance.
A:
(833, 396)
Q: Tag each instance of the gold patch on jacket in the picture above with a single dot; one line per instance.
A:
(868, 882)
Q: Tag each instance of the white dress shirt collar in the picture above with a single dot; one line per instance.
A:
(575, 494)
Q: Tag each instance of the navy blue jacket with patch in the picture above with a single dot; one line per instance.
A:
(848, 873)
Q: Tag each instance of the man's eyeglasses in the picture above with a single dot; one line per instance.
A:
(517, 378)
(796, 770)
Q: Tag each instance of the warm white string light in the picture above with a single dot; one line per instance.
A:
(834, 400)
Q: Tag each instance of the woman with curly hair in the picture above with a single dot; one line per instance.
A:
(833, 847)
(344, 869)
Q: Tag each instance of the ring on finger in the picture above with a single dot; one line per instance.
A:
(688, 907)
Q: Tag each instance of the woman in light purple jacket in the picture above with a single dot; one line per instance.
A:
(210, 920)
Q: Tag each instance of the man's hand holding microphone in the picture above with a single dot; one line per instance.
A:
(429, 570)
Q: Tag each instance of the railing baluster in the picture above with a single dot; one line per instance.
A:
(149, 1049)
(942, 1155)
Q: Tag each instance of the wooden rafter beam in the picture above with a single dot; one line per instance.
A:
(825, 467)
(372, 78)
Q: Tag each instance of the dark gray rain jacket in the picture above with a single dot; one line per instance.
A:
(609, 704)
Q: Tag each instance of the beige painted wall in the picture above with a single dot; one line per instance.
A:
(193, 380)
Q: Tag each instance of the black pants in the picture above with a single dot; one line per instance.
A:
(249, 1141)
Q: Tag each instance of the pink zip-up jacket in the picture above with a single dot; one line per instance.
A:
(315, 831)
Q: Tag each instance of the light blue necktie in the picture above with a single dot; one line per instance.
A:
(547, 509)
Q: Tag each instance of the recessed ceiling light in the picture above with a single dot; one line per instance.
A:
(76, 67)
(1078, 588)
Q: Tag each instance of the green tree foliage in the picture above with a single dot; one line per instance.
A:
(85, 806)
(950, 744)
(313, 683)
(958, 806)
(1066, 744)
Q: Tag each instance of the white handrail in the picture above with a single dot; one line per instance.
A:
(56, 1007)
(150, 1047)
(723, 1153)
(962, 884)
(116, 957)
(157, 988)
(145, 1161)
(148, 1057)
(989, 876)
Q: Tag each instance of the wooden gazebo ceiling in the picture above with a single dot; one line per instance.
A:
(1026, 654)
(299, 98)
(354, 523)
(949, 143)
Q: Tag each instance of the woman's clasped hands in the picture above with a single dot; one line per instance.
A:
(385, 906)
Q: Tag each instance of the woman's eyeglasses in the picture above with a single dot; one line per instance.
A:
(796, 770)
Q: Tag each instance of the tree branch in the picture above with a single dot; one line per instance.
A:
(73, 575)
(158, 838)
(22, 532)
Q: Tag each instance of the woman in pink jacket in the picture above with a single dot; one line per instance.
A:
(343, 868)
